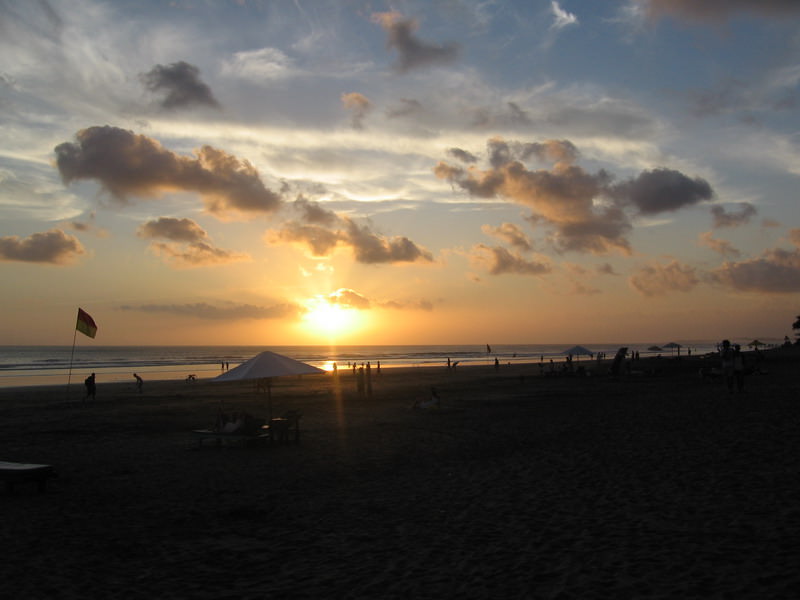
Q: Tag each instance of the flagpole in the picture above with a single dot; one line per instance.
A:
(72, 354)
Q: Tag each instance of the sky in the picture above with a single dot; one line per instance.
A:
(408, 172)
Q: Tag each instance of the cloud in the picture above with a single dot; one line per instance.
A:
(776, 271)
(723, 247)
(189, 244)
(511, 234)
(413, 52)
(178, 230)
(406, 107)
(585, 211)
(658, 280)
(259, 66)
(181, 85)
(462, 155)
(711, 10)
(606, 269)
(348, 298)
(499, 261)
(127, 164)
(663, 190)
(50, 247)
(359, 106)
(562, 17)
(370, 248)
(227, 312)
(735, 218)
(562, 198)
(322, 231)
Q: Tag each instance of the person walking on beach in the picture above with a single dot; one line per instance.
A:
(91, 388)
(139, 382)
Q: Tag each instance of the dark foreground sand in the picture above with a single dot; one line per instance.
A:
(658, 486)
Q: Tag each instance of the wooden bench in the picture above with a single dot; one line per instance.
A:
(13, 473)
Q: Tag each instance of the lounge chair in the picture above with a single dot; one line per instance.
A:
(13, 473)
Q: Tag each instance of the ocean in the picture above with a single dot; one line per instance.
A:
(50, 365)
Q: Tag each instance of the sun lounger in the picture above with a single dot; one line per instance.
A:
(13, 473)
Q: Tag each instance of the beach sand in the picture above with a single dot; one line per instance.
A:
(644, 486)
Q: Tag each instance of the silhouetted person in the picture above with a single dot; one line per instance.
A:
(91, 388)
(726, 358)
(139, 382)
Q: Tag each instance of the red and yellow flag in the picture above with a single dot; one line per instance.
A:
(86, 324)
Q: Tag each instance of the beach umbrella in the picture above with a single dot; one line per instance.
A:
(756, 344)
(578, 351)
(673, 346)
(263, 367)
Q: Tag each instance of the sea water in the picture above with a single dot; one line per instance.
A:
(57, 365)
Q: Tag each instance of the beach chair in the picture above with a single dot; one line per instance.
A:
(13, 473)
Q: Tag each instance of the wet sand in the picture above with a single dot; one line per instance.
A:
(655, 484)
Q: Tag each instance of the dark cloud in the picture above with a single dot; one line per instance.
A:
(359, 107)
(50, 247)
(227, 312)
(509, 233)
(663, 190)
(413, 52)
(734, 218)
(127, 164)
(177, 230)
(499, 261)
(718, 9)
(180, 85)
(658, 280)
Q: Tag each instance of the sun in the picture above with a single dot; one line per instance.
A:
(331, 319)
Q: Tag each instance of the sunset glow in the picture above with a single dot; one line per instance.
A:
(430, 172)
